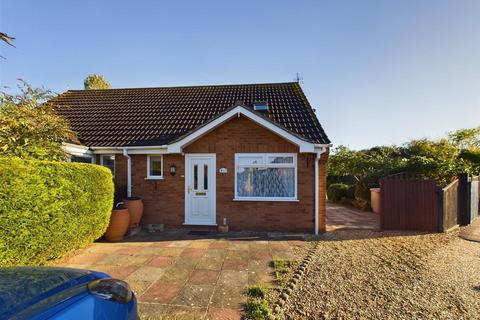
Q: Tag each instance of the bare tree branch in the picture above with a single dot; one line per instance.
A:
(7, 39)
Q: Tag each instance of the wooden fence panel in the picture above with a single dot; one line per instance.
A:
(450, 206)
(409, 204)
(474, 198)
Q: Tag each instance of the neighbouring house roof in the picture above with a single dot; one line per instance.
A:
(159, 116)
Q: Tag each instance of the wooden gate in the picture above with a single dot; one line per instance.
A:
(474, 198)
(409, 204)
(450, 206)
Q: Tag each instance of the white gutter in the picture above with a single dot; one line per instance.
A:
(144, 147)
(76, 149)
(318, 154)
(129, 172)
(323, 145)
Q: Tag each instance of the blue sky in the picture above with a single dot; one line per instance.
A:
(377, 72)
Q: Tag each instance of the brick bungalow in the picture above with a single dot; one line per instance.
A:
(253, 155)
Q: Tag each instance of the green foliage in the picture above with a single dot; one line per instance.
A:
(339, 191)
(439, 160)
(29, 127)
(48, 209)
(257, 291)
(379, 161)
(282, 269)
(473, 156)
(465, 138)
(96, 81)
(257, 310)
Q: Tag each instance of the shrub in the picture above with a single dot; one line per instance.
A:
(257, 309)
(282, 269)
(338, 191)
(361, 204)
(362, 190)
(257, 291)
(48, 209)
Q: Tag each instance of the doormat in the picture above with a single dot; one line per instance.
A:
(198, 233)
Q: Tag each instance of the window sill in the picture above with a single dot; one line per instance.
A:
(265, 200)
(154, 178)
(200, 224)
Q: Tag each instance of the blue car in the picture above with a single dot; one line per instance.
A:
(63, 293)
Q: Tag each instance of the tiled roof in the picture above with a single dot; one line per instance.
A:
(158, 116)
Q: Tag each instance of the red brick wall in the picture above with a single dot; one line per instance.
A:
(164, 199)
(322, 190)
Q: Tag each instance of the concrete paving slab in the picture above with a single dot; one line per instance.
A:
(175, 276)
(194, 295)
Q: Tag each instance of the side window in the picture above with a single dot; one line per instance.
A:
(154, 167)
(108, 160)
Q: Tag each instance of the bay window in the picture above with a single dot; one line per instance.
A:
(267, 177)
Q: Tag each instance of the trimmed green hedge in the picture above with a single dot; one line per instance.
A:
(339, 191)
(48, 209)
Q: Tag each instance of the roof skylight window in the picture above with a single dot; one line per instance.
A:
(260, 106)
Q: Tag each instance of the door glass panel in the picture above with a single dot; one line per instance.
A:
(195, 177)
(205, 177)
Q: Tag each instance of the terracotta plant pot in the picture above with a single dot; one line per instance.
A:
(135, 207)
(223, 229)
(119, 222)
(375, 199)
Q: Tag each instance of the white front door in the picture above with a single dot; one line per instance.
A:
(200, 189)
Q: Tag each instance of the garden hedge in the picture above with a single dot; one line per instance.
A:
(48, 209)
(339, 191)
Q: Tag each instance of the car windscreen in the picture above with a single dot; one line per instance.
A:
(23, 286)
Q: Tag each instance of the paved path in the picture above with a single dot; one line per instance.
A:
(346, 217)
(472, 232)
(175, 276)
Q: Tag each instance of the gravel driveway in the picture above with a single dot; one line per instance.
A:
(381, 275)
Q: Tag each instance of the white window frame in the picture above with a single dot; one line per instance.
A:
(265, 165)
(114, 162)
(154, 177)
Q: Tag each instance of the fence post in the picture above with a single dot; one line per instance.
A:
(463, 199)
(441, 213)
(382, 212)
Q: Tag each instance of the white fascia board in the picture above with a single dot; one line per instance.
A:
(156, 150)
(108, 150)
(323, 145)
(144, 147)
(76, 149)
(131, 150)
(303, 145)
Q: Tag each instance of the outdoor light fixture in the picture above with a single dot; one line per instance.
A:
(173, 169)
